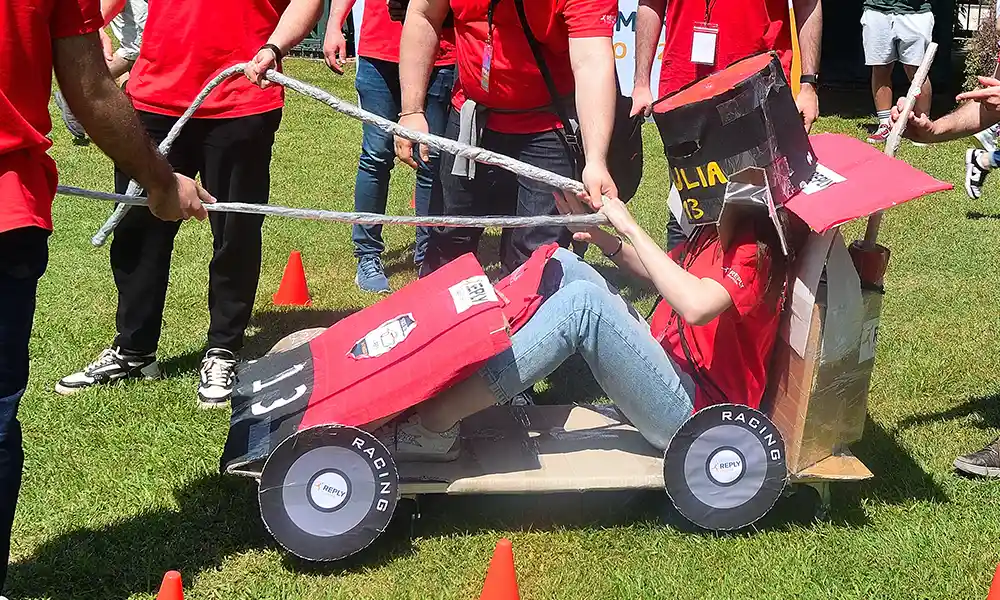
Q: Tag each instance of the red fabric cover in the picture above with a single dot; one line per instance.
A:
(874, 182)
(27, 173)
(444, 347)
(733, 351)
(519, 290)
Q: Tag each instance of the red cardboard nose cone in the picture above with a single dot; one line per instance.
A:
(501, 578)
(171, 588)
(293, 290)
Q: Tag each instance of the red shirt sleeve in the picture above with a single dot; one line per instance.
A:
(75, 17)
(743, 275)
(590, 18)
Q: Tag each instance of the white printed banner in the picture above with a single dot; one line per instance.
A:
(624, 43)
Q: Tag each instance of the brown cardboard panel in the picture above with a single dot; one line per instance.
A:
(539, 449)
(843, 467)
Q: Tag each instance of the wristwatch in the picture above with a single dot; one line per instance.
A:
(811, 79)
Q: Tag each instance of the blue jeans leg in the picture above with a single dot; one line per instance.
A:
(377, 82)
(429, 191)
(583, 314)
(25, 254)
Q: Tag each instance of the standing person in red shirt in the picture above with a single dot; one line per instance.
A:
(35, 36)
(741, 28)
(501, 103)
(709, 342)
(377, 82)
(185, 44)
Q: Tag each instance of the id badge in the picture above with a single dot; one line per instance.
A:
(704, 42)
(484, 79)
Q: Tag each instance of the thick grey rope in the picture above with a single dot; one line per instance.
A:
(451, 146)
(359, 217)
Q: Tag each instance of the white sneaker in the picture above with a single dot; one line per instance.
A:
(410, 441)
(988, 138)
(110, 366)
(218, 372)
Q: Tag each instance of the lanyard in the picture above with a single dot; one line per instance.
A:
(489, 19)
(709, 6)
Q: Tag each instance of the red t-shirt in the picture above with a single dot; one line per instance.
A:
(188, 42)
(734, 350)
(27, 173)
(380, 36)
(515, 82)
(745, 28)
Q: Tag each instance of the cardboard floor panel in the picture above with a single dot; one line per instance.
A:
(541, 449)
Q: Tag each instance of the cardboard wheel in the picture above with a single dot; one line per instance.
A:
(294, 340)
(725, 467)
(328, 492)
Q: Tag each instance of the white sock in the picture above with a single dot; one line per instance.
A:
(884, 117)
(984, 160)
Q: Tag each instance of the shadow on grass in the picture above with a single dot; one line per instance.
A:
(217, 517)
(976, 216)
(986, 407)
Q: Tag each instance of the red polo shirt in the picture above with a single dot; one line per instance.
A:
(515, 83)
(187, 42)
(734, 350)
(380, 36)
(745, 28)
(27, 173)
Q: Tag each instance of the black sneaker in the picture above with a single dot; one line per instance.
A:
(111, 365)
(218, 372)
(975, 176)
(985, 463)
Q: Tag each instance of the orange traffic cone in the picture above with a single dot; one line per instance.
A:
(293, 290)
(501, 578)
(995, 587)
(171, 588)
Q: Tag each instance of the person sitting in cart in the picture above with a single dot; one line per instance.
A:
(709, 342)
(980, 111)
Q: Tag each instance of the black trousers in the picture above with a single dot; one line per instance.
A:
(495, 191)
(233, 159)
(24, 253)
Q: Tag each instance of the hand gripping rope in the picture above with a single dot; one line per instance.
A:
(481, 155)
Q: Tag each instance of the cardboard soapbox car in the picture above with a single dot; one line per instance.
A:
(327, 488)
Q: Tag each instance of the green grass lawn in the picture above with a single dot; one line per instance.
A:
(121, 484)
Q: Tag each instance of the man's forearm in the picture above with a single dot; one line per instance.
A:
(809, 21)
(106, 112)
(339, 10)
(295, 24)
(648, 24)
(965, 120)
(593, 65)
(110, 9)
(418, 47)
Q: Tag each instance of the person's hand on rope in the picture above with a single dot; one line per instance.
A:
(255, 69)
(919, 127)
(107, 46)
(988, 96)
(335, 50)
(415, 121)
(642, 101)
(808, 104)
(598, 182)
(181, 201)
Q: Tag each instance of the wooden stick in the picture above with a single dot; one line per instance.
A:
(896, 135)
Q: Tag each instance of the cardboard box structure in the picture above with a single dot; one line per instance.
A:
(824, 355)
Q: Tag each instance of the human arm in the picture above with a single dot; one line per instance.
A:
(593, 62)
(109, 119)
(334, 43)
(110, 10)
(418, 46)
(981, 110)
(697, 300)
(648, 24)
(296, 22)
(809, 22)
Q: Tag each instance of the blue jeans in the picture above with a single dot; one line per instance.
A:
(377, 83)
(496, 191)
(23, 257)
(583, 314)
